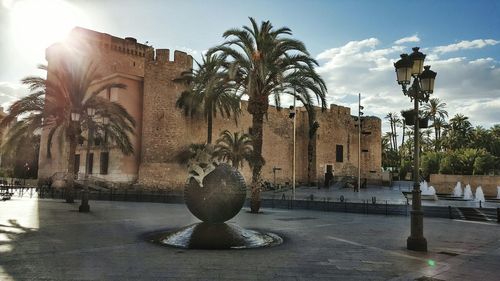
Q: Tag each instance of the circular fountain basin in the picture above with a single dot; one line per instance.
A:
(216, 236)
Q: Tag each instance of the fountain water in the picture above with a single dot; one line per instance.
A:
(215, 195)
(479, 194)
(468, 193)
(458, 192)
(498, 192)
(426, 189)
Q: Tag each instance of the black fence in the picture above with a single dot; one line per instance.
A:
(365, 207)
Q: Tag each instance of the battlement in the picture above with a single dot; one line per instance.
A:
(163, 56)
(90, 39)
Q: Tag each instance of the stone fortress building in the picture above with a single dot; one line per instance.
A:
(162, 130)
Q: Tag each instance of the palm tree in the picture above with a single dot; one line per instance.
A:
(20, 147)
(438, 125)
(67, 92)
(234, 147)
(264, 63)
(458, 132)
(435, 110)
(393, 121)
(208, 92)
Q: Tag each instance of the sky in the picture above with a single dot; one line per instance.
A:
(355, 42)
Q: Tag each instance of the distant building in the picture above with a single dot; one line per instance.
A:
(162, 129)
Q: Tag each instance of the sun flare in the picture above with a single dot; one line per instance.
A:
(39, 23)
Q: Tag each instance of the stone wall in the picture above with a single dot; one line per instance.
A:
(339, 128)
(446, 183)
(163, 131)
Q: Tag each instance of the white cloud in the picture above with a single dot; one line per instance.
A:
(468, 86)
(465, 45)
(409, 39)
(10, 92)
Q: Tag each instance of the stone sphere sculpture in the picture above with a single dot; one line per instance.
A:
(217, 196)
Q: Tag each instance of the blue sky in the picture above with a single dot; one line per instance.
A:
(355, 42)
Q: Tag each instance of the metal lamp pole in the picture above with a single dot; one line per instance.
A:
(292, 114)
(422, 86)
(359, 141)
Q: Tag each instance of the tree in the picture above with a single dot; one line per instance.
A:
(430, 163)
(438, 124)
(458, 132)
(435, 110)
(235, 148)
(265, 62)
(208, 92)
(67, 92)
(393, 121)
(20, 148)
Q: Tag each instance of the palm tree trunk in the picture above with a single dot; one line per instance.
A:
(209, 128)
(257, 123)
(310, 155)
(71, 139)
(395, 138)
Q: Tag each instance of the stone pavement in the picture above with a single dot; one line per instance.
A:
(50, 240)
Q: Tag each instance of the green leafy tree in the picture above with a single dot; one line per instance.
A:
(266, 63)
(209, 92)
(235, 148)
(430, 162)
(484, 163)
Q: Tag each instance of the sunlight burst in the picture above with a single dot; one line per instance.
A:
(38, 23)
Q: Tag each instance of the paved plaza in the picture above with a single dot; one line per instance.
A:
(49, 240)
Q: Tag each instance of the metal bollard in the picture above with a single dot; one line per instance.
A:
(498, 214)
(449, 212)
(480, 205)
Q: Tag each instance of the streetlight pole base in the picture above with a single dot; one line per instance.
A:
(416, 244)
(84, 206)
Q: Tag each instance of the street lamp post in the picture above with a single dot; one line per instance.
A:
(408, 67)
(85, 207)
(360, 113)
(293, 115)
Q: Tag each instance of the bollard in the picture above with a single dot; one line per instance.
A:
(480, 205)
(374, 200)
(386, 207)
(498, 214)
(449, 212)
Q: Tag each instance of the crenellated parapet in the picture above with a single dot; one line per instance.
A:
(162, 56)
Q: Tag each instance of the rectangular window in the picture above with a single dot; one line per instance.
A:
(339, 153)
(90, 163)
(104, 163)
(114, 94)
(364, 150)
